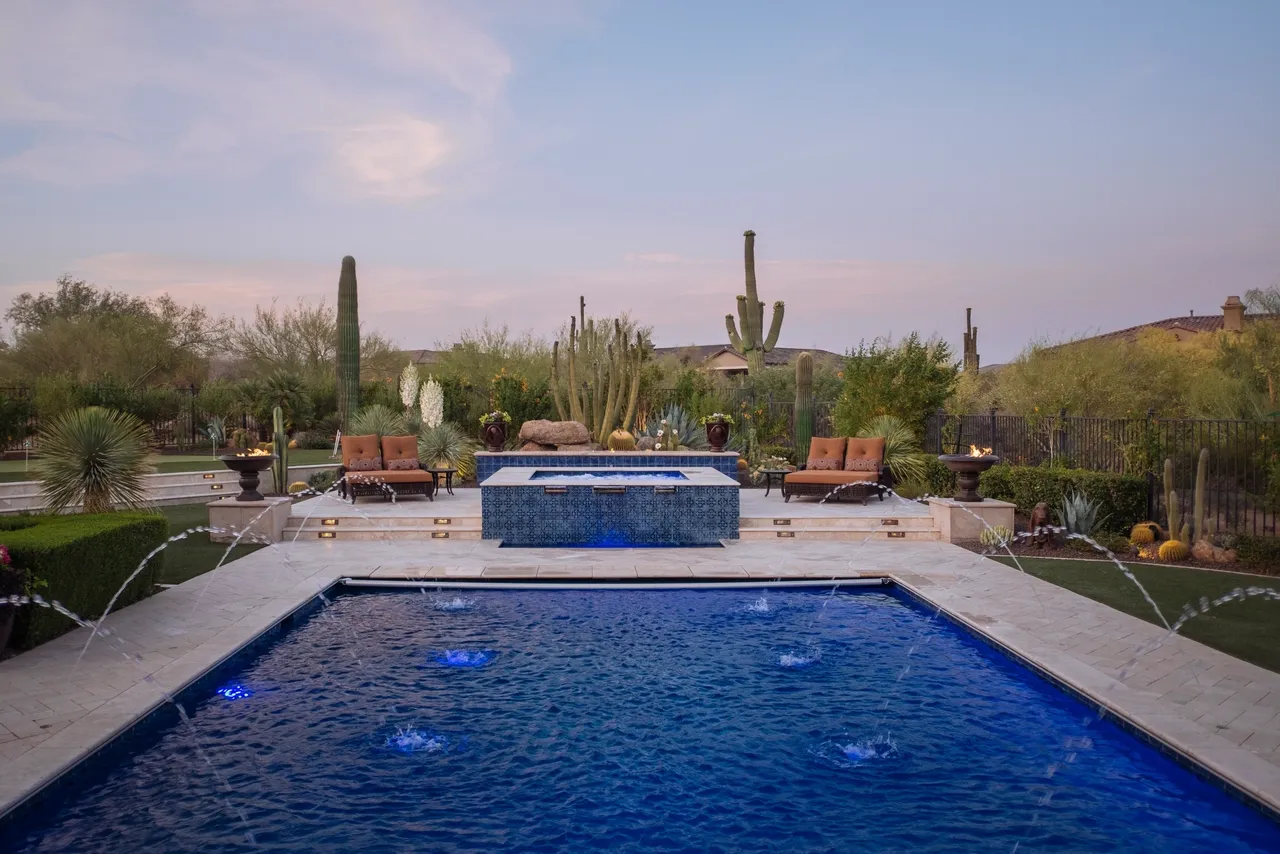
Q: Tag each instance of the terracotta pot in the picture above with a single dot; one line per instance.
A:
(494, 436)
(717, 435)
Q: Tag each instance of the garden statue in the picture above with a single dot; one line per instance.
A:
(1039, 526)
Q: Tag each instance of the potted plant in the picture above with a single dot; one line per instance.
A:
(493, 430)
(717, 424)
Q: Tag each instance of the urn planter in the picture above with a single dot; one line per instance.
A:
(249, 468)
(717, 435)
(494, 436)
(968, 468)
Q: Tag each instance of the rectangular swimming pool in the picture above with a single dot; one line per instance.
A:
(676, 720)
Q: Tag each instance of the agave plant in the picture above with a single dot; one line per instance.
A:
(445, 443)
(94, 456)
(685, 425)
(1079, 514)
(901, 448)
(379, 419)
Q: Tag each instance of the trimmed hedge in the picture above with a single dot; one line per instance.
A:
(83, 559)
(1259, 552)
(1123, 497)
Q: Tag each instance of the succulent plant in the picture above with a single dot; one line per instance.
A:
(1079, 514)
(1141, 535)
(1173, 551)
(997, 536)
(96, 457)
(804, 405)
(603, 361)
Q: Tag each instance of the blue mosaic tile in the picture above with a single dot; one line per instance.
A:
(581, 515)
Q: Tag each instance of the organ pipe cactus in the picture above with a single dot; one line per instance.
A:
(752, 342)
(280, 443)
(804, 405)
(348, 344)
(1200, 526)
(603, 359)
(1192, 530)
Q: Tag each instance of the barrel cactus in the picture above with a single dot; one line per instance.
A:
(1174, 551)
(1142, 534)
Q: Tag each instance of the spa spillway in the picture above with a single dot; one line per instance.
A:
(583, 506)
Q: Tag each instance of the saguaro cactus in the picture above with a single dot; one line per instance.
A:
(1200, 525)
(804, 405)
(752, 343)
(280, 442)
(603, 361)
(348, 343)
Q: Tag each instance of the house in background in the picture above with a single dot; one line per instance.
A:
(1232, 319)
(726, 361)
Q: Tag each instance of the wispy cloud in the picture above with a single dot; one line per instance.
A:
(108, 91)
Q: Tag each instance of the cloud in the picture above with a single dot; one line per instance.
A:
(375, 98)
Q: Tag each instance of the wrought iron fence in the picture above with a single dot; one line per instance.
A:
(1242, 484)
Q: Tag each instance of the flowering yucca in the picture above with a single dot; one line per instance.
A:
(409, 386)
(431, 403)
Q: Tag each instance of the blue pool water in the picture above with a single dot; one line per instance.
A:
(637, 721)
(612, 475)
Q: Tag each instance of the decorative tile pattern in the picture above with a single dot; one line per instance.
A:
(726, 463)
(636, 516)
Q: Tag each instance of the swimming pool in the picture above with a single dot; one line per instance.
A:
(585, 720)
(612, 475)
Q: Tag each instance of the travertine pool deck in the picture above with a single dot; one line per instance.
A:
(1222, 712)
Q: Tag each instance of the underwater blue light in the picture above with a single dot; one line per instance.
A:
(234, 691)
(465, 657)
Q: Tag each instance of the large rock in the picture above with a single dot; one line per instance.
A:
(646, 443)
(534, 446)
(554, 432)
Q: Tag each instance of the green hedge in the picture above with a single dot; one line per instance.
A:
(1259, 552)
(82, 560)
(1123, 497)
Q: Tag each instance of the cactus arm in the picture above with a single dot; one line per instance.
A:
(1198, 509)
(613, 398)
(749, 262)
(280, 466)
(734, 340)
(745, 324)
(1175, 517)
(555, 380)
(636, 361)
(597, 398)
(775, 326)
(575, 409)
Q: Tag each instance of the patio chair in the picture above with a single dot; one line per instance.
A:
(856, 466)
(371, 467)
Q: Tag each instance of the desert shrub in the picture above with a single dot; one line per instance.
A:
(95, 456)
(379, 419)
(322, 480)
(939, 480)
(81, 561)
(1259, 552)
(911, 379)
(445, 443)
(1122, 499)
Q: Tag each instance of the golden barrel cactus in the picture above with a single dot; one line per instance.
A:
(1142, 534)
(1174, 551)
(621, 440)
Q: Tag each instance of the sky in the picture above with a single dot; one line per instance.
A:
(1062, 168)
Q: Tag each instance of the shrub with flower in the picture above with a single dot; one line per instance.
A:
(494, 417)
(668, 438)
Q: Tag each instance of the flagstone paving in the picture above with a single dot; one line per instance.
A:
(55, 708)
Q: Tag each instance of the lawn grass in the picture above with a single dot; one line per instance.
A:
(16, 470)
(1249, 630)
(185, 559)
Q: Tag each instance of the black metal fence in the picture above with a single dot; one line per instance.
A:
(1242, 483)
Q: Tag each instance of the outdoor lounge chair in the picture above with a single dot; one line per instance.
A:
(370, 467)
(853, 466)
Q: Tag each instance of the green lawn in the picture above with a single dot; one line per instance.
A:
(195, 555)
(15, 470)
(1249, 630)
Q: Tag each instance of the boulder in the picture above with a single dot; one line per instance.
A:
(534, 446)
(1203, 551)
(646, 443)
(554, 432)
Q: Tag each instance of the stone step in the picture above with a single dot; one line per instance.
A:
(858, 523)
(845, 534)
(449, 532)
(442, 522)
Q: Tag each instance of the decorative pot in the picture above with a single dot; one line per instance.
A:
(968, 468)
(621, 440)
(494, 436)
(717, 435)
(249, 468)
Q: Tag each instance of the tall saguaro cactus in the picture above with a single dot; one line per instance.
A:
(348, 343)
(603, 362)
(804, 405)
(752, 343)
(280, 443)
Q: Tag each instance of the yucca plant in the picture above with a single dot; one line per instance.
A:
(445, 443)
(1079, 514)
(901, 448)
(379, 419)
(94, 456)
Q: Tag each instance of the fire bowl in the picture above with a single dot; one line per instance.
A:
(248, 467)
(967, 468)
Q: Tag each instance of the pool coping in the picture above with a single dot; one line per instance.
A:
(1234, 769)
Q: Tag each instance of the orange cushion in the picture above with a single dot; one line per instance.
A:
(832, 477)
(359, 448)
(411, 476)
(399, 448)
(827, 449)
(864, 449)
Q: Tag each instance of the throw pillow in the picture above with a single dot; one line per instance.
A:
(865, 464)
(407, 464)
(824, 465)
(371, 464)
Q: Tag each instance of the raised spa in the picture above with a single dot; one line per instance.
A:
(551, 506)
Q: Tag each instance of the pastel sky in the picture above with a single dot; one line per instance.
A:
(1060, 167)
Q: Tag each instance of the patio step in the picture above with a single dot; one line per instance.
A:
(403, 532)
(858, 523)
(829, 532)
(345, 524)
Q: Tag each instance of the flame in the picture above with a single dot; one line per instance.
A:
(975, 451)
(256, 452)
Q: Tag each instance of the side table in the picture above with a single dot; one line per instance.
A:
(447, 474)
(771, 476)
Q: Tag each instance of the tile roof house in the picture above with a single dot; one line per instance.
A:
(1232, 319)
(725, 360)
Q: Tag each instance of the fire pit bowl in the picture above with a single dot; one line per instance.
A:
(248, 466)
(968, 467)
